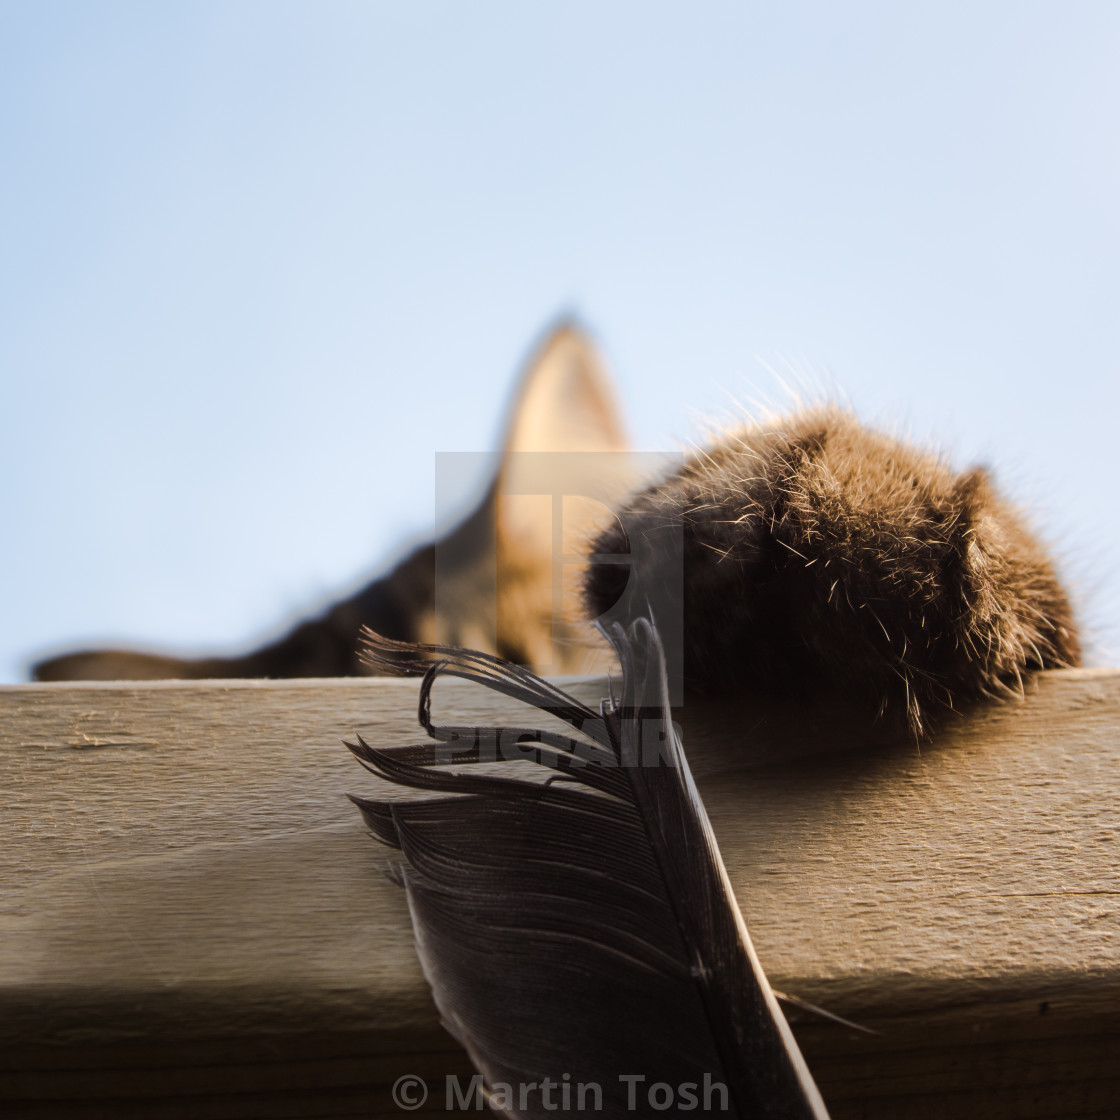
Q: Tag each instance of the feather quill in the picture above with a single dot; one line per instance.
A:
(579, 932)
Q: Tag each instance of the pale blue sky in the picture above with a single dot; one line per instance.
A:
(260, 260)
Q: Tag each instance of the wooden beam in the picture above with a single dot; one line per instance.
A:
(193, 922)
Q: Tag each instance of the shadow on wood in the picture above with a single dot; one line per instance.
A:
(194, 923)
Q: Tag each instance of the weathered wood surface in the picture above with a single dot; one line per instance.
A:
(193, 922)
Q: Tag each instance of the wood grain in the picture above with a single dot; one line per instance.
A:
(194, 923)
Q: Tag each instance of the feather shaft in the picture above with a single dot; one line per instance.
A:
(581, 930)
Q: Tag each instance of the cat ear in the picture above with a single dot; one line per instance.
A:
(564, 442)
(565, 400)
(565, 462)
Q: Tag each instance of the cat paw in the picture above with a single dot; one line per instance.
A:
(814, 555)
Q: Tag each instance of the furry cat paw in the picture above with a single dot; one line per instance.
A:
(817, 555)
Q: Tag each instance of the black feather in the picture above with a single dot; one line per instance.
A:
(582, 928)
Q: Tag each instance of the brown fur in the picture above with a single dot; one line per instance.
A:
(487, 584)
(823, 557)
(820, 558)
